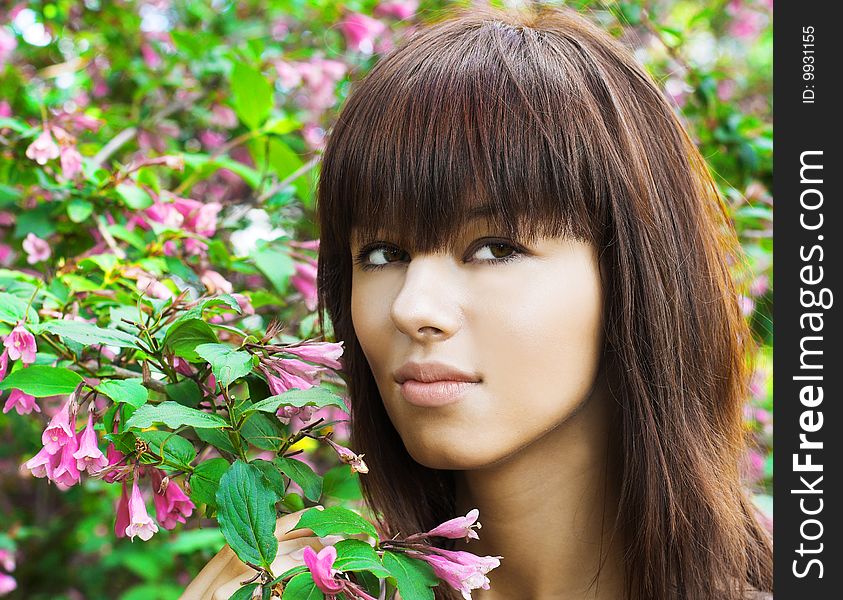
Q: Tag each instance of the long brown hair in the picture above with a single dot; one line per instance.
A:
(550, 121)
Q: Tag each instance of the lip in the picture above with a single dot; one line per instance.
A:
(430, 372)
(436, 393)
(432, 384)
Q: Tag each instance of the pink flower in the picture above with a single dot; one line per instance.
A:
(172, 506)
(349, 457)
(166, 213)
(152, 287)
(4, 363)
(7, 582)
(150, 57)
(288, 74)
(244, 303)
(460, 527)
(280, 381)
(759, 285)
(8, 43)
(121, 522)
(22, 403)
(216, 282)
(321, 568)
(7, 559)
(304, 280)
(5, 108)
(360, 32)
(747, 305)
(399, 10)
(43, 148)
(36, 248)
(303, 413)
(20, 344)
(463, 571)
(60, 431)
(43, 464)
(140, 523)
(223, 116)
(114, 457)
(323, 353)
(89, 457)
(66, 472)
(71, 161)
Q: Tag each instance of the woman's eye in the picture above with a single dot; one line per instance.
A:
(378, 256)
(495, 252)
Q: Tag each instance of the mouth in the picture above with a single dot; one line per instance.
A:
(434, 394)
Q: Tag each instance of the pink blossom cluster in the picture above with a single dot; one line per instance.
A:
(463, 571)
(192, 216)
(283, 374)
(65, 453)
(172, 506)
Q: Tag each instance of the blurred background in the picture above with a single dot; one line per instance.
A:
(244, 92)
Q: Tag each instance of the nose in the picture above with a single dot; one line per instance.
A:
(427, 306)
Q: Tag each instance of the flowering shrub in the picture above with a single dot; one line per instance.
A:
(157, 283)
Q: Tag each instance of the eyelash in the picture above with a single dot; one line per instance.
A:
(360, 258)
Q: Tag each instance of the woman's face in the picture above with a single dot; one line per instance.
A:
(525, 322)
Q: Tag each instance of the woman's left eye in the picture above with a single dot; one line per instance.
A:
(508, 251)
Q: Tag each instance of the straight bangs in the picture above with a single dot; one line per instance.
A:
(423, 145)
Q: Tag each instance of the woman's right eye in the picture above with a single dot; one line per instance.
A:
(376, 256)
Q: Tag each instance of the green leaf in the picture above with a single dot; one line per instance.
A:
(131, 237)
(174, 415)
(302, 587)
(335, 520)
(246, 514)
(302, 474)
(276, 265)
(205, 481)
(183, 338)
(227, 363)
(186, 392)
(341, 482)
(244, 593)
(315, 396)
(88, 333)
(415, 577)
(78, 210)
(173, 448)
(41, 381)
(272, 476)
(134, 197)
(130, 391)
(217, 438)
(357, 555)
(252, 95)
(13, 309)
(261, 432)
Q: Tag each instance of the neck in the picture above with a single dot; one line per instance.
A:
(548, 511)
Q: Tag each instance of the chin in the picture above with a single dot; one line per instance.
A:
(456, 454)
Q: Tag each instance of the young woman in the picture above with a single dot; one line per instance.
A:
(529, 265)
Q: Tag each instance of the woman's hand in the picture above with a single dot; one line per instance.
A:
(222, 576)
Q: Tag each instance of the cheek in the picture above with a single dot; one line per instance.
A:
(545, 344)
(370, 318)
